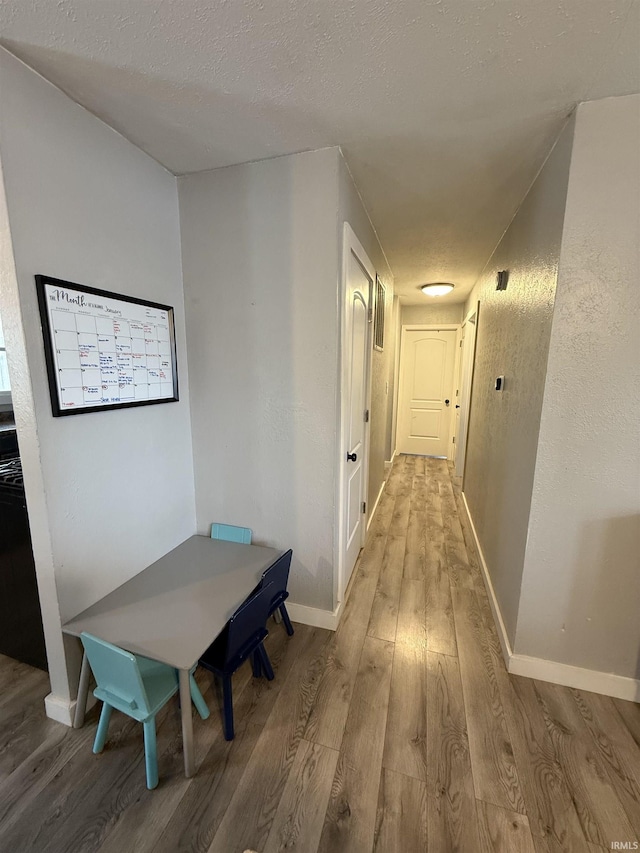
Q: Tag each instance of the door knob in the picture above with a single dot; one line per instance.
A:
(446, 402)
(352, 457)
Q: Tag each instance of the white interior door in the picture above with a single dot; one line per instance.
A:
(458, 386)
(358, 278)
(469, 329)
(426, 398)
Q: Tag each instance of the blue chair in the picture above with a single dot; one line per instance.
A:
(231, 533)
(242, 638)
(137, 686)
(278, 576)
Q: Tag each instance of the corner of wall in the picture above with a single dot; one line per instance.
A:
(580, 580)
(25, 414)
(605, 683)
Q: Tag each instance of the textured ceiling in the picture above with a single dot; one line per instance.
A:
(445, 109)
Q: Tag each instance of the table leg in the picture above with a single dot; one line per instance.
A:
(187, 723)
(83, 691)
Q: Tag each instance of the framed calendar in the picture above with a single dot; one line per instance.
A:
(104, 350)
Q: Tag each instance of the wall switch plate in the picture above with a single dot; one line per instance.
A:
(499, 383)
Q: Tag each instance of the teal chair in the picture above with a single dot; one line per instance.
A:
(137, 686)
(231, 533)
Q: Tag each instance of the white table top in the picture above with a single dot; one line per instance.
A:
(174, 609)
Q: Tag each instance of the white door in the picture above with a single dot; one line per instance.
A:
(469, 329)
(358, 278)
(426, 398)
(457, 398)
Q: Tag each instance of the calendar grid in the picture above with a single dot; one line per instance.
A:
(108, 351)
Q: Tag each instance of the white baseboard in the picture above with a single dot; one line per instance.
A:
(63, 711)
(607, 683)
(314, 616)
(59, 709)
(493, 601)
(388, 465)
(375, 506)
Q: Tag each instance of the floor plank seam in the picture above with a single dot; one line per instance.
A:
(400, 732)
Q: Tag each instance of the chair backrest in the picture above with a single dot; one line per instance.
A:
(278, 573)
(231, 533)
(248, 622)
(117, 675)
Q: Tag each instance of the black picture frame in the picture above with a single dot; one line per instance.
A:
(80, 295)
(378, 325)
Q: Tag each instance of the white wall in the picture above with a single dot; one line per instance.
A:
(109, 492)
(261, 246)
(514, 328)
(260, 258)
(351, 210)
(432, 313)
(580, 600)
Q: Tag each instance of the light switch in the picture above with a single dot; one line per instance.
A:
(500, 383)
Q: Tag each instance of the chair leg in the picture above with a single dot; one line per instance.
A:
(227, 698)
(103, 726)
(197, 698)
(256, 664)
(150, 753)
(266, 663)
(286, 620)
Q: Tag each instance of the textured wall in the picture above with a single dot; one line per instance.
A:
(430, 315)
(351, 210)
(260, 261)
(513, 340)
(109, 492)
(581, 588)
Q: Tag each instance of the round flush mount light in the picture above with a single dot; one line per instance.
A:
(438, 288)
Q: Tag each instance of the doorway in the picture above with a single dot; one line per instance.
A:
(426, 397)
(467, 362)
(21, 630)
(358, 278)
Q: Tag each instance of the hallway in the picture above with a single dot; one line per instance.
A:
(400, 732)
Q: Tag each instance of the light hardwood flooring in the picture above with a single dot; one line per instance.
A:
(402, 731)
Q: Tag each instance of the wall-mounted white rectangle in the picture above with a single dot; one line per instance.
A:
(104, 350)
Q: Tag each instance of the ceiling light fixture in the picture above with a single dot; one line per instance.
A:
(438, 288)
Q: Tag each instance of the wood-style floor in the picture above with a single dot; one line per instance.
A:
(400, 732)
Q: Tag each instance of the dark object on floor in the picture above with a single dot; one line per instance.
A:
(21, 632)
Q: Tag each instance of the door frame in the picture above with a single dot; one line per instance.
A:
(350, 244)
(429, 327)
(468, 368)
